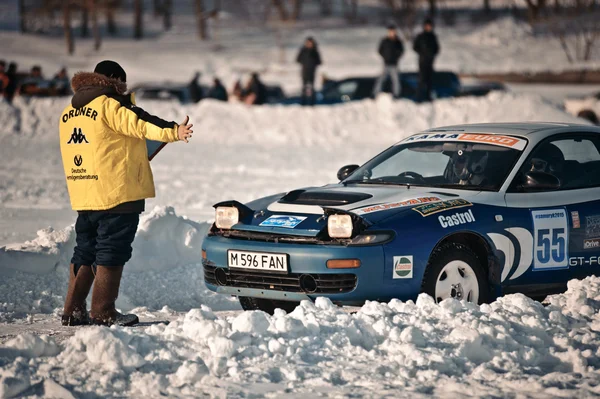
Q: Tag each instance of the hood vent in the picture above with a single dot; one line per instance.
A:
(322, 198)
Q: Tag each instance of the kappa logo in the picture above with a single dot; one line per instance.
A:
(524, 246)
(78, 160)
(77, 137)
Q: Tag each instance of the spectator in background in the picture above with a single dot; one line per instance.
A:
(218, 91)
(12, 83)
(256, 92)
(61, 84)
(195, 88)
(390, 49)
(310, 59)
(427, 47)
(4, 79)
(34, 84)
(237, 93)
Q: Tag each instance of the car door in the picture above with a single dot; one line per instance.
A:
(557, 217)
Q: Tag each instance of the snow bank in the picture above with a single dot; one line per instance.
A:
(164, 270)
(384, 119)
(514, 346)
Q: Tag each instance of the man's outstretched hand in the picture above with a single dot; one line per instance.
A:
(184, 131)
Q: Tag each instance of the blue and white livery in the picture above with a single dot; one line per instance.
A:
(469, 212)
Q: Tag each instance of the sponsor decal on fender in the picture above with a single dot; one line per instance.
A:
(403, 267)
(592, 226)
(457, 219)
(575, 219)
(392, 205)
(591, 243)
(430, 209)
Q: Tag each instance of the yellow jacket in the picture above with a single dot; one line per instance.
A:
(103, 146)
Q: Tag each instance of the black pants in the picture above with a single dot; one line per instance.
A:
(425, 81)
(104, 238)
(308, 90)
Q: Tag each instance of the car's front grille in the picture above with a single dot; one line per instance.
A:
(292, 282)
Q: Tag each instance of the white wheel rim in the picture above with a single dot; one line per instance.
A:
(457, 280)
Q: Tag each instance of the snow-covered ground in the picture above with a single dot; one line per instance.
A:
(398, 349)
(512, 348)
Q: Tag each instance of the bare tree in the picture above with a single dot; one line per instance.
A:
(92, 6)
(404, 13)
(85, 31)
(350, 9)
(326, 9)
(535, 8)
(486, 6)
(67, 27)
(297, 9)
(280, 6)
(167, 13)
(201, 19)
(138, 30)
(22, 27)
(432, 8)
(576, 26)
(110, 6)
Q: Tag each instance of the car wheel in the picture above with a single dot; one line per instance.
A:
(454, 271)
(266, 305)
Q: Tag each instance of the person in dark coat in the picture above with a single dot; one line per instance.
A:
(218, 91)
(310, 59)
(391, 50)
(195, 88)
(4, 79)
(10, 90)
(427, 46)
(256, 92)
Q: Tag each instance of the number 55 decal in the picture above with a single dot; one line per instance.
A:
(551, 239)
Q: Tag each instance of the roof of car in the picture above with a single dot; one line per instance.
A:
(514, 129)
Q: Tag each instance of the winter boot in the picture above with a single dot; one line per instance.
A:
(104, 295)
(80, 282)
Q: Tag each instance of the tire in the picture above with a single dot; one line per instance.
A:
(454, 271)
(266, 305)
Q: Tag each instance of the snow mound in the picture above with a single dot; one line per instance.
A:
(166, 253)
(230, 124)
(505, 31)
(514, 346)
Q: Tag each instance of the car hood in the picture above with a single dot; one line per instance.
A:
(370, 202)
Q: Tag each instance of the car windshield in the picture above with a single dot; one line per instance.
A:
(459, 165)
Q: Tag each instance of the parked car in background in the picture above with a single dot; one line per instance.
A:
(184, 93)
(445, 84)
(469, 212)
(165, 92)
(480, 88)
(587, 107)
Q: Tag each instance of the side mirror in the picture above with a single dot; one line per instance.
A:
(540, 181)
(346, 171)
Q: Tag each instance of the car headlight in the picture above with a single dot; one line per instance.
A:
(226, 217)
(339, 226)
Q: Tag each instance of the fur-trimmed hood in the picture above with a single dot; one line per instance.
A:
(89, 85)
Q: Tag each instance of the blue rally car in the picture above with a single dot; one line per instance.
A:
(468, 212)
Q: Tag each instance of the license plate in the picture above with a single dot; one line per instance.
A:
(257, 261)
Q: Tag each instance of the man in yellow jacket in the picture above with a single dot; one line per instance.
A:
(103, 145)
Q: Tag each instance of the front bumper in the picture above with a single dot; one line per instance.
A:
(344, 286)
